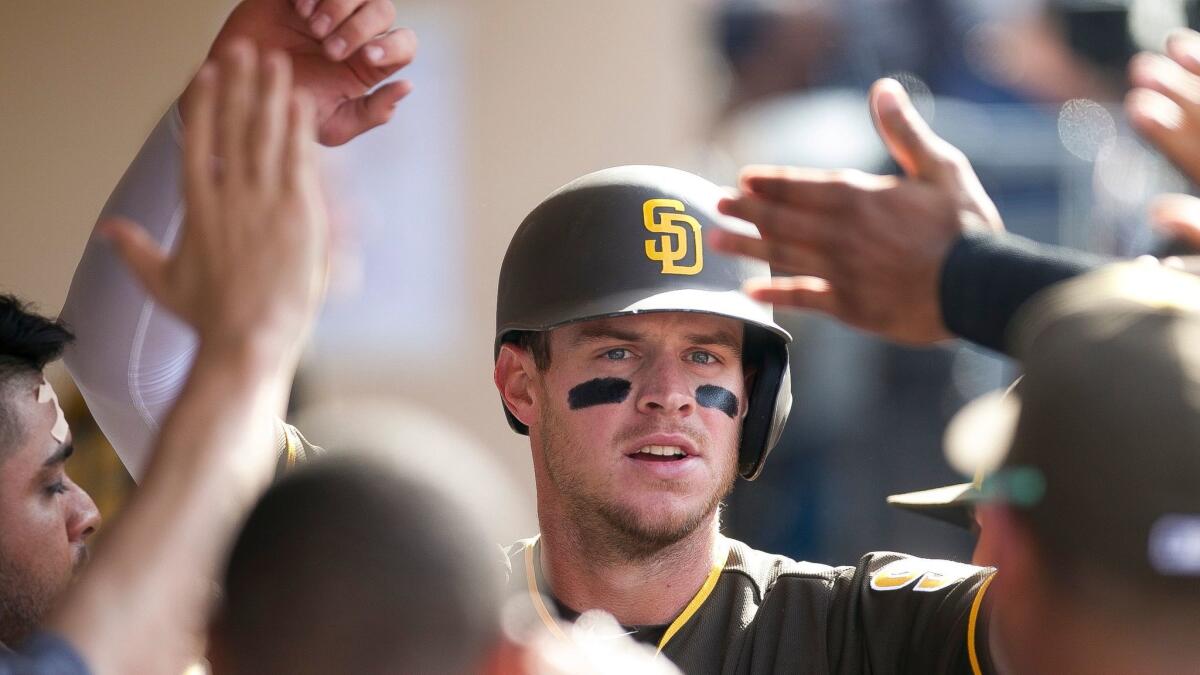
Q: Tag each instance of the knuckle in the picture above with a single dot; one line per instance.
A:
(950, 157)
(339, 9)
(387, 13)
(367, 23)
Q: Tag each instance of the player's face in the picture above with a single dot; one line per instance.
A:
(45, 518)
(639, 421)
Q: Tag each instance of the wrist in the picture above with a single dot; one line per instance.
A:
(257, 354)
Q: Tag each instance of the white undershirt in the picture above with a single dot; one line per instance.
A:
(130, 357)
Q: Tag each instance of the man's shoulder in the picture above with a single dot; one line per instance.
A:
(887, 608)
(763, 570)
(875, 573)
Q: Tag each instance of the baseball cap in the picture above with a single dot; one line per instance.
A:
(1100, 447)
(955, 504)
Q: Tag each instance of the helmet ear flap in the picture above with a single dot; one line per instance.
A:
(769, 405)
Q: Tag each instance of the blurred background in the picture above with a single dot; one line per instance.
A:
(515, 98)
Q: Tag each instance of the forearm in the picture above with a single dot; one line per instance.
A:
(986, 278)
(131, 357)
(153, 574)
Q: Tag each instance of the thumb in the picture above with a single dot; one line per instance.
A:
(921, 153)
(140, 253)
(354, 117)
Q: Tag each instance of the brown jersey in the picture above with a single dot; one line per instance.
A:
(760, 613)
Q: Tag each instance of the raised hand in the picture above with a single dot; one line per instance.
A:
(340, 50)
(1164, 105)
(865, 249)
(250, 267)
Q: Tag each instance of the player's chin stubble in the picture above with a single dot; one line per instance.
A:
(616, 530)
(24, 602)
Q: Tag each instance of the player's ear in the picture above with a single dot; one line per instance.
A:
(514, 376)
(1020, 594)
(1013, 549)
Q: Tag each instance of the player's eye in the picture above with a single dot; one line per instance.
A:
(701, 357)
(55, 488)
(617, 354)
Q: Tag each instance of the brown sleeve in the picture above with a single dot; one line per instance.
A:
(900, 614)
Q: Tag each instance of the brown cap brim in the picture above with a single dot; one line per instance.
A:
(954, 504)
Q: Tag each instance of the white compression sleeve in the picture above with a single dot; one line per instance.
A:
(131, 358)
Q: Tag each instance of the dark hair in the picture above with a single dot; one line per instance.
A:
(349, 565)
(28, 342)
(537, 343)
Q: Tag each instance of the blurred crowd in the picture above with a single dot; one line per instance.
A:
(1042, 234)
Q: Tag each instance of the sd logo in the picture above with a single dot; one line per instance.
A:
(672, 246)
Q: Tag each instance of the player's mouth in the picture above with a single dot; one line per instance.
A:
(660, 453)
(662, 448)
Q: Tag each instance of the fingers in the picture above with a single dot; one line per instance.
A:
(238, 63)
(1165, 125)
(1179, 217)
(920, 152)
(141, 254)
(782, 256)
(803, 292)
(300, 159)
(1165, 105)
(1183, 46)
(198, 137)
(810, 188)
(1168, 78)
(305, 7)
(384, 55)
(271, 117)
(777, 221)
(355, 116)
(344, 26)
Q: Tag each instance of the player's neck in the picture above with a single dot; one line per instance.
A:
(649, 590)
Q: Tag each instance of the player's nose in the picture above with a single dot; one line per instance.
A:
(83, 518)
(665, 389)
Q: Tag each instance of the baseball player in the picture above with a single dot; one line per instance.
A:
(647, 382)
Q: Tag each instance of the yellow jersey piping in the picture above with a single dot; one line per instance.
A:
(688, 612)
(710, 583)
(535, 595)
(971, 651)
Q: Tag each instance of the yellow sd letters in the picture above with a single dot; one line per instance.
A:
(672, 246)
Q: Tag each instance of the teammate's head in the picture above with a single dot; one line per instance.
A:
(351, 565)
(45, 519)
(1093, 465)
(645, 378)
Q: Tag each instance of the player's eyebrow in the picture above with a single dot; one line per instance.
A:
(721, 338)
(60, 455)
(598, 332)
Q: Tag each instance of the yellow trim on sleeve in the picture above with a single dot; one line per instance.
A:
(971, 652)
(536, 596)
(710, 583)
